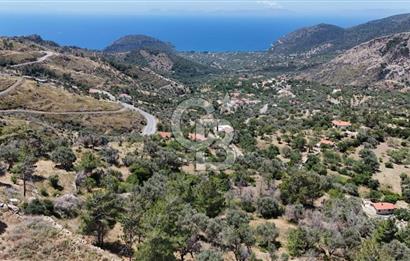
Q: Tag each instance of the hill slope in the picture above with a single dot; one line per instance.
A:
(329, 38)
(157, 55)
(136, 42)
(84, 69)
(383, 62)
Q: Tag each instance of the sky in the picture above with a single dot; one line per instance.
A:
(370, 8)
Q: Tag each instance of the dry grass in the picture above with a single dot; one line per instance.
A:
(283, 227)
(86, 72)
(389, 178)
(45, 169)
(6, 82)
(40, 238)
(19, 57)
(48, 98)
(124, 122)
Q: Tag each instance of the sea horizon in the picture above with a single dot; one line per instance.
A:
(189, 33)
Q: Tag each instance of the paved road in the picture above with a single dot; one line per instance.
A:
(149, 129)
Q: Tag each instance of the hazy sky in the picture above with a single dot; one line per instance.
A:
(209, 7)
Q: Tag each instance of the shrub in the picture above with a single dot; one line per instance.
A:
(402, 214)
(247, 205)
(64, 156)
(54, 180)
(266, 235)
(14, 179)
(44, 192)
(89, 162)
(210, 255)
(268, 208)
(297, 242)
(389, 165)
(39, 207)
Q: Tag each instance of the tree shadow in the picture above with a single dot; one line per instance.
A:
(3, 227)
(5, 185)
(37, 178)
(118, 248)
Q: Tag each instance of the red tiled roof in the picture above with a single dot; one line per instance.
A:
(341, 123)
(165, 135)
(327, 142)
(196, 137)
(383, 206)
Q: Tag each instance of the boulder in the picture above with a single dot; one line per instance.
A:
(13, 208)
(14, 201)
(67, 205)
(80, 178)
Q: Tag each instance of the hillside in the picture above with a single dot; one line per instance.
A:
(136, 42)
(383, 62)
(157, 55)
(324, 38)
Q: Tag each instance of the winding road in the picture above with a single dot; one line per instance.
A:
(47, 55)
(149, 129)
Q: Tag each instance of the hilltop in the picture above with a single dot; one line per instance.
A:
(131, 43)
(325, 38)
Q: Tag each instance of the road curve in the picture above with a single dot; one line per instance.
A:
(47, 55)
(12, 87)
(149, 129)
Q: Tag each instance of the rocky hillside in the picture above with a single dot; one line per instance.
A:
(383, 62)
(320, 37)
(325, 38)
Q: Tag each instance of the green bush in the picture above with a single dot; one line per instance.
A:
(268, 208)
(39, 207)
(54, 180)
(389, 165)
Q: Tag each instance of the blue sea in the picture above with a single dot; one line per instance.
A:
(186, 33)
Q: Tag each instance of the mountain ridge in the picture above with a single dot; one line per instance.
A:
(324, 38)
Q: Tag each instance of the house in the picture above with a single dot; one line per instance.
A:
(196, 137)
(165, 135)
(94, 91)
(224, 128)
(383, 208)
(125, 98)
(341, 124)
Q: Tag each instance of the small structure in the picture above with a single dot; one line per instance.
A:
(384, 208)
(325, 142)
(224, 128)
(196, 137)
(94, 91)
(165, 135)
(341, 124)
(125, 97)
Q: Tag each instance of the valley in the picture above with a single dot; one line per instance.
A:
(125, 153)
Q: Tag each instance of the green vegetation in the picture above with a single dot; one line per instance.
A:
(295, 190)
